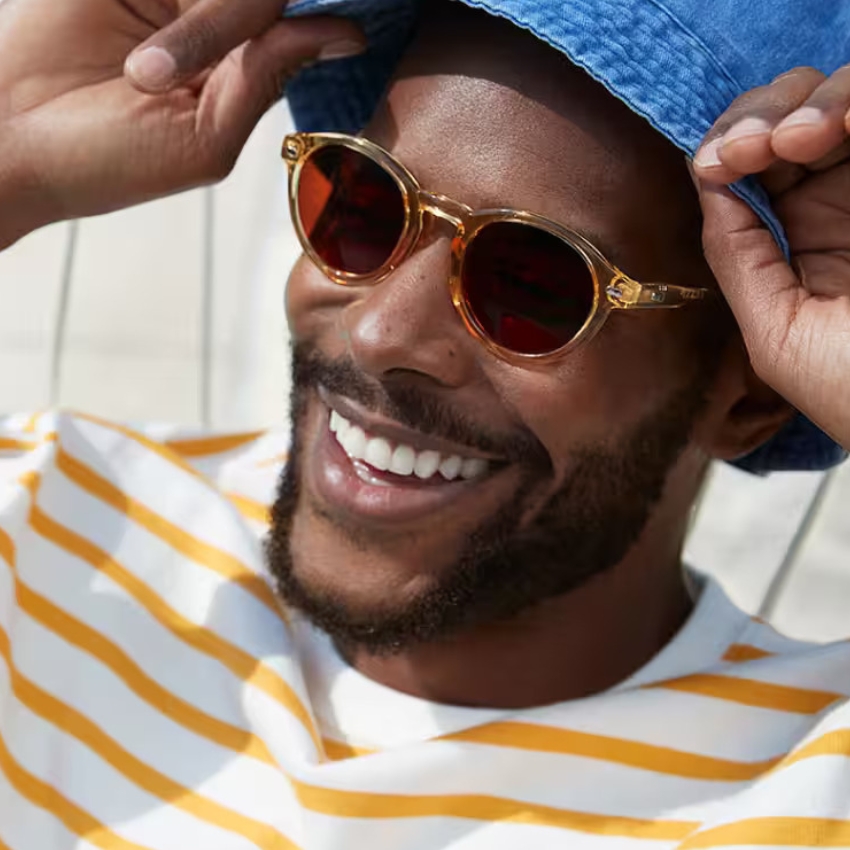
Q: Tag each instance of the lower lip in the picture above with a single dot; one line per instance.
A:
(391, 498)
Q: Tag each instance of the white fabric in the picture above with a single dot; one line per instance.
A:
(154, 695)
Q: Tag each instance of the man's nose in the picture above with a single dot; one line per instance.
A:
(407, 321)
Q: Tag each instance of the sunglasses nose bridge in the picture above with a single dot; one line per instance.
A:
(445, 208)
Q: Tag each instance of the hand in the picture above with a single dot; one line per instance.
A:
(795, 318)
(79, 137)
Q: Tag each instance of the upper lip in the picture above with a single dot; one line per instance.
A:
(380, 426)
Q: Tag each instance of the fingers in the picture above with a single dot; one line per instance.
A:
(819, 125)
(750, 268)
(801, 118)
(251, 79)
(207, 32)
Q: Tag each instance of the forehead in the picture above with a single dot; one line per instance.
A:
(484, 112)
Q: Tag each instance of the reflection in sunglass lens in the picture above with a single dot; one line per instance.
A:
(351, 210)
(528, 290)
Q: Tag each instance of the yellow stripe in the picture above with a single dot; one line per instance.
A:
(250, 509)
(31, 425)
(274, 461)
(197, 550)
(7, 548)
(483, 807)
(548, 739)
(12, 445)
(754, 693)
(172, 706)
(77, 820)
(774, 832)
(31, 480)
(159, 449)
(77, 725)
(835, 743)
(240, 663)
(204, 446)
(339, 750)
(739, 652)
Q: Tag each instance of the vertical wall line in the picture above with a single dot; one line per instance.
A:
(207, 308)
(780, 579)
(60, 324)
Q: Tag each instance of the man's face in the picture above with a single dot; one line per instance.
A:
(561, 466)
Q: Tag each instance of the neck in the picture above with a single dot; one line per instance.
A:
(568, 647)
(565, 648)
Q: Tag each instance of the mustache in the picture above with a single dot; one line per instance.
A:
(410, 405)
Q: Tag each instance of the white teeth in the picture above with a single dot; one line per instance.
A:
(339, 425)
(402, 459)
(450, 467)
(354, 442)
(378, 453)
(427, 463)
(473, 467)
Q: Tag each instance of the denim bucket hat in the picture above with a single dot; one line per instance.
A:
(678, 63)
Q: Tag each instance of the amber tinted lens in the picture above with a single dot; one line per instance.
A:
(351, 210)
(528, 290)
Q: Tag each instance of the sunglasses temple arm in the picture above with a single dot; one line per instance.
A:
(627, 294)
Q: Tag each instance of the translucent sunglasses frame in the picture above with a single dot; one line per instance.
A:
(613, 289)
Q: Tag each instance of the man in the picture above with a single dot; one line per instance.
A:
(493, 460)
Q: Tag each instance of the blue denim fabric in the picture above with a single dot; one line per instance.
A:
(678, 63)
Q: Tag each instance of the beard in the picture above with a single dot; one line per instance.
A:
(508, 564)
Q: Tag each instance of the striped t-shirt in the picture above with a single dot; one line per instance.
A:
(154, 695)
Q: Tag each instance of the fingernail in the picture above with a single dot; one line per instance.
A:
(747, 128)
(805, 116)
(152, 68)
(792, 73)
(708, 155)
(341, 50)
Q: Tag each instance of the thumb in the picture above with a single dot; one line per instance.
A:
(762, 289)
(200, 37)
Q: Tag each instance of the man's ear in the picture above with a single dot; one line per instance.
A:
(744, 411)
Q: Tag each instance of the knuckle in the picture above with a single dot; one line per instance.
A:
(760, 362)
(219, 165)
(225, 168)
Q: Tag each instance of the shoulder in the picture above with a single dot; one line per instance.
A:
(156, 461)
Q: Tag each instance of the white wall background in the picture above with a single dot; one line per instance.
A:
(142, 282)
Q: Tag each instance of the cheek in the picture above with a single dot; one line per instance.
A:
(601, 392)
(313, 302)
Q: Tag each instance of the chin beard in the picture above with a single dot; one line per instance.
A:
(508, 565)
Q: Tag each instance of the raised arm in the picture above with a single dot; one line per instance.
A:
(79, 136)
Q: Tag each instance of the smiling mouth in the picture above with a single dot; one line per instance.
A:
(372, 454)
(367, 468)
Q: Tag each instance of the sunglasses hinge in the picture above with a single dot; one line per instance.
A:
(295, 145)
(623, 292)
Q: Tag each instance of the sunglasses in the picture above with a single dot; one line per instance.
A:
(524, 286)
